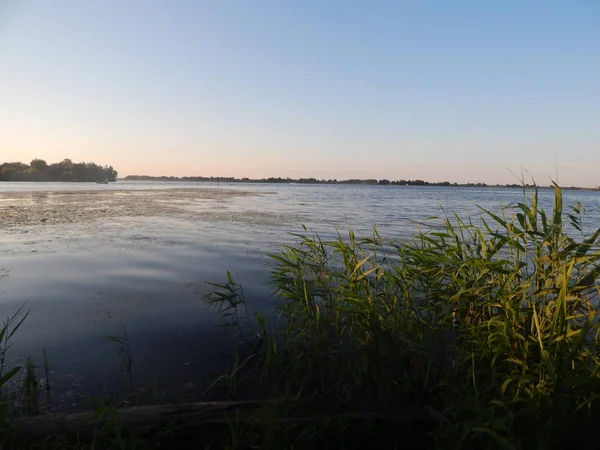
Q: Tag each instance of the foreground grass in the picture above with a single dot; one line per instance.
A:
(489, 326)
(476, 334)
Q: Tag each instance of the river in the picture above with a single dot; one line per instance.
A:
(92, 261)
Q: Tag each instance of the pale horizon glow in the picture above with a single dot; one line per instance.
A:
(438, 90)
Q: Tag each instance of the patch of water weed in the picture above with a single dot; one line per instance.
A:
(488, 325)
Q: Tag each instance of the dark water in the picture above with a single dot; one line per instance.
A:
(145, 275)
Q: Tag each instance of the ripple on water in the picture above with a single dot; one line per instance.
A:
(105, 262)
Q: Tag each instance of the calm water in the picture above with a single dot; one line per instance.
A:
(145, 274)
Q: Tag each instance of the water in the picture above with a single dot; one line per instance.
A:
(86, 280)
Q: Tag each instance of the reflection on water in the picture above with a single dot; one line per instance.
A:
(86, 281)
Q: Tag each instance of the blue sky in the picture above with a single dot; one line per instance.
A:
(437, 90)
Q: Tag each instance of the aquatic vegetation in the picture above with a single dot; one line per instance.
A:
(9, 327)
(488, 323)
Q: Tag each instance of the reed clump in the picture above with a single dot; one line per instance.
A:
(489, 324)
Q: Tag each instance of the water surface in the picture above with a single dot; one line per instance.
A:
(142, 271)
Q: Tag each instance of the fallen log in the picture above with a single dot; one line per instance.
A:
(140, 419)
(206, 419)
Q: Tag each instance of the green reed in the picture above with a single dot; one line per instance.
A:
(7, 396)
(490, 323)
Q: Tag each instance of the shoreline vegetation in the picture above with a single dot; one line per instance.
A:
(367, 181)
(66, 170)
(481, 333)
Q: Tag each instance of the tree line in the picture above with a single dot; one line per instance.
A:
(66, 170)
(368, 181)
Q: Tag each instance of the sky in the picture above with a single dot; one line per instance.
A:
(435, 90)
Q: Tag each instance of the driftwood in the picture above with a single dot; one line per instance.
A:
(208, 417)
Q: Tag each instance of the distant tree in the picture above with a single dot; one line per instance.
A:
(13, 171)
(39, 164)
(79, 172)
(66, 170)
(111, 173)
(62, 171)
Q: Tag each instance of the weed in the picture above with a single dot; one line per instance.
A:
(126, 358)
(491, 325)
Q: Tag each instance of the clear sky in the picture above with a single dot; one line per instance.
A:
(438, 90)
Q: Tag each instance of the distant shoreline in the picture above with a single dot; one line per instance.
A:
(55, 181)
(66, 170)
(367, 182)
